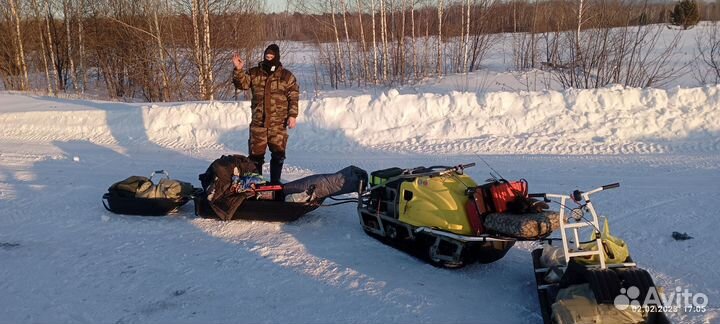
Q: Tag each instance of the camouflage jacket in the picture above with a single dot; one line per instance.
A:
(274, 97)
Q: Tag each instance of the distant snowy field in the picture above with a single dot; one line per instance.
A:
(67, 260)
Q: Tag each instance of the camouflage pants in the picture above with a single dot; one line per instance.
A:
(274, 137)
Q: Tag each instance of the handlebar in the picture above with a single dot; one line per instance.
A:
(444, 170)
(611, 186)
(161, 172)
(459, 168)
(452, 168)
(578, 195)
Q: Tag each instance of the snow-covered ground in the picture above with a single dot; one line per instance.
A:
(67, 260)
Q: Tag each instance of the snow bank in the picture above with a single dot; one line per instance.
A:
(614, 120)
(609, 120)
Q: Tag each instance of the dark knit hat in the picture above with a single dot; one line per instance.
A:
(274, 49)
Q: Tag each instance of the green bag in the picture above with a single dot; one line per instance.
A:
(165, 188)
(138, 195)
(616, 250)
(143, 187)
(129, 187)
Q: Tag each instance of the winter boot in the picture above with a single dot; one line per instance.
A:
(275, 171)
(259, 161)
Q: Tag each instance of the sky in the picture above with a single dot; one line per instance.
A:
(276, 5)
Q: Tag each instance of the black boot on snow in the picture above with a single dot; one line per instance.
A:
(275, 171)
(259, 161)
(258, 167)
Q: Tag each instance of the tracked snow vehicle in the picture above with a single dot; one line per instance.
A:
(432, 213)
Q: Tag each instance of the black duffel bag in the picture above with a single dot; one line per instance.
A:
(138, 195)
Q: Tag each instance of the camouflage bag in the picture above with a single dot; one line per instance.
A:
(525, 226)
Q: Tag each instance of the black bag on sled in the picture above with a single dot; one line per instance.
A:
(138, 195)
(218, 199)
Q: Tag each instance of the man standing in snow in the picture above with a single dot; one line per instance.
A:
(274, 104)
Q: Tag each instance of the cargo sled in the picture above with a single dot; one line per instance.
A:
(138, 195)
(262, 210)
(590, 282)
(433, 213)
(232, 190)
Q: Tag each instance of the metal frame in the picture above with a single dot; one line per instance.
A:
(463, 238)
(578, 251)
(380, 217)
(456, 240)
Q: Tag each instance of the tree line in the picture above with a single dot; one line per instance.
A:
(153, 50)
(174, 50)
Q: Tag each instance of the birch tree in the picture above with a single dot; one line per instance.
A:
(375, 49)
(401, 55)
(19, 52)
(67, 17)
(347, 39)
(200, 12)
(366, 75)
(466, 42)
(43, 53)
(209, 83)
(338, 51)
(439, 39)
(426, 50)
(383, 35)
(51, 49)
(197, 53)
(577, 30)
(152, 9)
(81, 47)
(412, 27)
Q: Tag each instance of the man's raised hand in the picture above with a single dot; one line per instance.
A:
(237, 61)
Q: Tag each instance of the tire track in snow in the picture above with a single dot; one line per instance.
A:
(277, 244)
(269, 241)
(495, 145)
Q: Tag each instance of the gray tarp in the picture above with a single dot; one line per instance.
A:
(344, 181)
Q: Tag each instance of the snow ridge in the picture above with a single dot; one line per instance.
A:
(613, 120)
